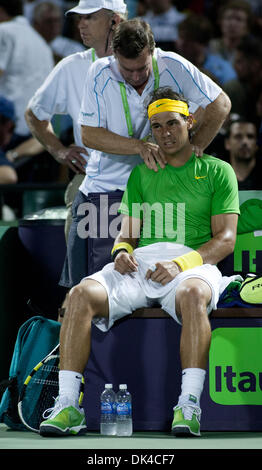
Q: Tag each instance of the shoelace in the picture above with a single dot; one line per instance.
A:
(58, 406)
(50, 411)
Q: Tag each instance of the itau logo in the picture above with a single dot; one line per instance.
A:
(235, 367)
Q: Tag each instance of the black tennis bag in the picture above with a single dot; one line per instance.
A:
(35, 339)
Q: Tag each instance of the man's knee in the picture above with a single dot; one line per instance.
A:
(79, 294)
(88, 297)
(192, 295)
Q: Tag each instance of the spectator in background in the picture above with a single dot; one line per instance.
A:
(7, 124)
(29, 6)
(194, 34)
(241, 143)
(25, 61)
(47, 20)
(163, 17)
(256, 8)
(259, 117)
(244, 90)
(234, 19)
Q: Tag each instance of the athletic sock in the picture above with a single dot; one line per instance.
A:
(69, 387)
(192, 383)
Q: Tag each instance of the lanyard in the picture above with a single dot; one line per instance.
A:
(93, 54)
(124, 97)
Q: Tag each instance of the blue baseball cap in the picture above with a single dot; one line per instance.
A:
(7, 109)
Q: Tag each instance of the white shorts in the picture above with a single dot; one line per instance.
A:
(129, 292)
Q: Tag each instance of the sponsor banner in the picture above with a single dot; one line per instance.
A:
(235, 366)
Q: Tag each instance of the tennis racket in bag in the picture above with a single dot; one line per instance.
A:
(40, 390)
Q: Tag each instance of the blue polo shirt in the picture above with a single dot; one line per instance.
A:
(220, 68)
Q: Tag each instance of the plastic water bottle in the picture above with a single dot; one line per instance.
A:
(124, 425)
(108, 414)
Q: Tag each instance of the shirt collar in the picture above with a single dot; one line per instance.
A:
(160, 62)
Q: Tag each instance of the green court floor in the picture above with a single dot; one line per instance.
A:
(10, 439)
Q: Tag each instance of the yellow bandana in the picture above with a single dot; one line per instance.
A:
(161, 106)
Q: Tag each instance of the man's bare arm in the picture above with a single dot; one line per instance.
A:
(106, 141)
(224, 230)
(212, 119)
(44, 133)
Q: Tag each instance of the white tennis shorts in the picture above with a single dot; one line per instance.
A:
(129, 292)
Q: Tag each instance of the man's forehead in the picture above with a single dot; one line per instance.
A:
(242, 126)
(235, 13)
(143, 58)
(165, 117)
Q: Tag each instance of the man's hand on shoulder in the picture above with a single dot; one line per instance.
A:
(152, 154)
(197, 150)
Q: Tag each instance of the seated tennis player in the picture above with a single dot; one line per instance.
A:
(178, 223)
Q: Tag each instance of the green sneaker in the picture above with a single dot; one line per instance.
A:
(186, 420)
(63, 421)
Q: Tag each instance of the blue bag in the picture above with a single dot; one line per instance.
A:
(36, 338)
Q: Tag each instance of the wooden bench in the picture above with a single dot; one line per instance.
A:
(235, 312)
(157, 312)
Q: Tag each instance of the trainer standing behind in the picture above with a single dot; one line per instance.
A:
(61, 93)
(114, 123)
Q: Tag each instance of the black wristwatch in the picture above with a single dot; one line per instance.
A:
(113, 256)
